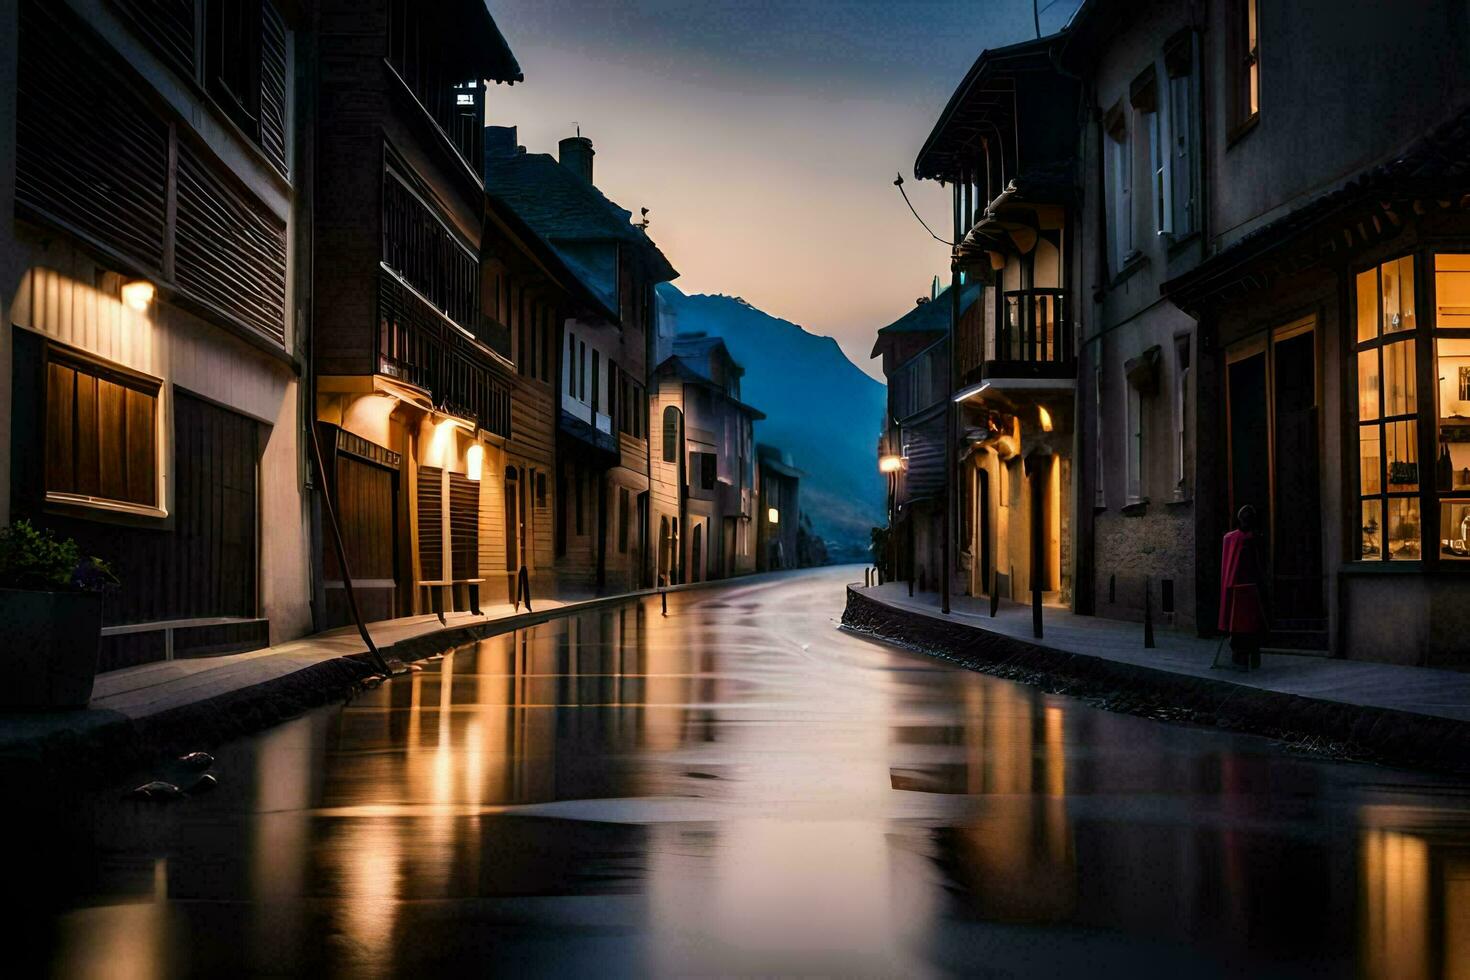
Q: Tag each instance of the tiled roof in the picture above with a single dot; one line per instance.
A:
(560, 206)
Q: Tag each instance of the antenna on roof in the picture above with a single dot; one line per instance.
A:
(579, 128)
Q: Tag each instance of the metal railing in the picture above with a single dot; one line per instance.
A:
(1035, 329)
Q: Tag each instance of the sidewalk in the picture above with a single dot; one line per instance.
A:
(1402, 715)
(138, 711)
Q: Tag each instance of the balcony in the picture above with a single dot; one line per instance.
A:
(419, 346)
(1034, 338)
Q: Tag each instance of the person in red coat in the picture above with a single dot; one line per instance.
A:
(1242, 608)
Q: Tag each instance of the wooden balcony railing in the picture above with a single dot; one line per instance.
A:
(1036, 329)
(416, 344)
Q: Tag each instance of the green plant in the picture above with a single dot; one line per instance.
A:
(34, 559)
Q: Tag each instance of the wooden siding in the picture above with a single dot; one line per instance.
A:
(229, 252)
(91, 154)
(431, 522)
(464, 537)
(168, 27)
(272, 84)
(365, 496)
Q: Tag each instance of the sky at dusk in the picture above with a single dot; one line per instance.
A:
(763, 135)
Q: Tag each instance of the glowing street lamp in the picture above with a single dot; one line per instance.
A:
(773, 515)
(474, 462)
(1045, 418)
(890, 464)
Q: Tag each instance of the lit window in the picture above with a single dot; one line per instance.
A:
(1452, 462)
(1244, 63)
(1387, 410)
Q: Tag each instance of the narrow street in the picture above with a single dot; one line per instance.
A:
(741, 788)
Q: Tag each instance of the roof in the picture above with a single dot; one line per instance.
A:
(690, 361)
(777, 461)
(493, 56)
(562, 207)
(930, 316)
(1431, 167)
(970, 110)
(546, 256)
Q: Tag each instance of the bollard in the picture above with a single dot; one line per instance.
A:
(1036, 610)
(663, 596)
(1148, 614)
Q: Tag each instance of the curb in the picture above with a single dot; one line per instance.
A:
(1334, 729)
(104, 744)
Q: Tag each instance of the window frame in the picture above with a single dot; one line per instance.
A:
(104, 370)
(1243, 67)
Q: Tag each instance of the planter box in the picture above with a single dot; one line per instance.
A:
(50, 648)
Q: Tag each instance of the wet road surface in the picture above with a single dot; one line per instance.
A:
(742, 789)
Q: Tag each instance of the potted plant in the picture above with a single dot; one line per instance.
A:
(51, 618)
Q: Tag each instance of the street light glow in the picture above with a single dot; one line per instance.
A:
(890, 464)
(474, 462)
(138, 294)
(773, 515)
(1045, 418)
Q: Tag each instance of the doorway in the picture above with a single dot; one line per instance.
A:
(696, 557)
(1275, 465)
(982, 525)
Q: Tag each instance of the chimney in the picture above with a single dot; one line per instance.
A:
(575, 153)
(500, 141)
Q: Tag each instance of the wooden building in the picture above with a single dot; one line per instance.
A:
(602, 461)
(413, 370)
(150, 254)
(1004, 148)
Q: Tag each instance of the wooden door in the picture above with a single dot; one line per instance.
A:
(366, 498)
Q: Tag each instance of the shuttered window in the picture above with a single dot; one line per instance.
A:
(431, 522)
(464, 526)
(101, 431)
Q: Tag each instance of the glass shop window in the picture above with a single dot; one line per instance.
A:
(1388, 405)
(1452, 353)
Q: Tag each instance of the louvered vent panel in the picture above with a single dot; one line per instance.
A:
(167, 26)
(464, 526)
(89, 152)
(431, 523)
(230, 254)
(273, 84)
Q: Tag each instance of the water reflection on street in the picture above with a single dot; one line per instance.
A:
(742, 789)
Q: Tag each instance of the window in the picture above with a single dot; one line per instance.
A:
(418, 245)
(1244, 64)
(671, 434)
(101, 433)
(623, 519)
(596, 381)
(232, 60)
(1388, 406)
(1181, 417)
(1179, 61)
(1452, 350)
(705, 468)
(571, 372)
(1135, 445)
(1143, 95)
(1120, 189)
(582, 371)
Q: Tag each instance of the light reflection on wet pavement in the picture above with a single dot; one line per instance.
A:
(742, 789)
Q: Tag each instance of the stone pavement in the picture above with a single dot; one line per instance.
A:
(1420, 690)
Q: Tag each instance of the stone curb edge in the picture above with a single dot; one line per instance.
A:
(1332, 728)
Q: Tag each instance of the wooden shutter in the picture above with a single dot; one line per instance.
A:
(91, 155)
(464, 526)
(101, 432)
(167, 26)
(431, 523)
(273, 84)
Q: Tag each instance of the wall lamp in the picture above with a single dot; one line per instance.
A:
(474, 462)
(773, 515)
(890, 464)
(137, 294)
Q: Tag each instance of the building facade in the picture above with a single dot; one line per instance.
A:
(778, 510)
(1141, 223)
(1331, 324)
(1012, 371)
(412, 369)
(151, 288)
(602, 479)
(708, 431)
